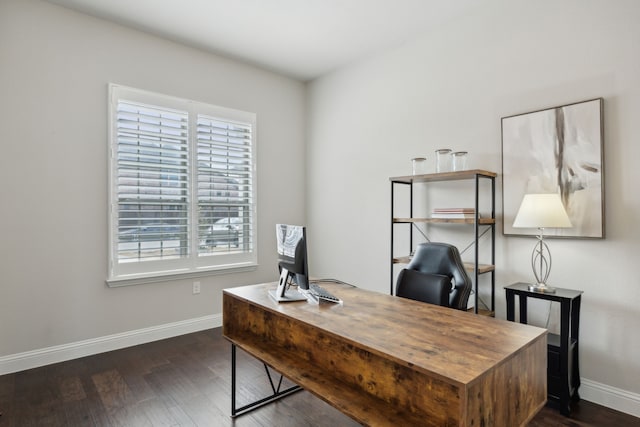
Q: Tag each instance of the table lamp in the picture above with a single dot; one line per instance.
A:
(541, 211)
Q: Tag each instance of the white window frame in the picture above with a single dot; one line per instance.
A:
(195, 263)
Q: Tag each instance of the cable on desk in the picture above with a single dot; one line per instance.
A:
(316, 281)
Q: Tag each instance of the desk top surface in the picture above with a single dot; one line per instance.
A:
(455, 345)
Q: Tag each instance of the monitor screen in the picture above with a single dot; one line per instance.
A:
(292, 253)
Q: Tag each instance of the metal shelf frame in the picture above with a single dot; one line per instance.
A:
(477, 269)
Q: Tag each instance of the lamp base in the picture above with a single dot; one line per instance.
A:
(542, 288)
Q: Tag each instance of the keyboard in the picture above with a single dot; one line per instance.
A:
(321, 293)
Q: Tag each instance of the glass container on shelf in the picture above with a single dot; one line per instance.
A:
(443, 160)
(419, 165)
(459, 161)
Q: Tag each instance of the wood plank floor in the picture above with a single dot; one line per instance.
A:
(186, 381)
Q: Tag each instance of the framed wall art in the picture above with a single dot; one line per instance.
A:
(556, 150)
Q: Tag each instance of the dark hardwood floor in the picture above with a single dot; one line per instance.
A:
(186, 381)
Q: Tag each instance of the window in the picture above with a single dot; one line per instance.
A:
(183, 191)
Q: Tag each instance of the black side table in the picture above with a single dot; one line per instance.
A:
(563, 372)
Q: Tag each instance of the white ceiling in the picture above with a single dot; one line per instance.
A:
(299, 38)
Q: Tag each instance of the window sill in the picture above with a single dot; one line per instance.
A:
(170, 276)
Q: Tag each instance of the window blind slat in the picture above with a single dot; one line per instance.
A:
(157, 148)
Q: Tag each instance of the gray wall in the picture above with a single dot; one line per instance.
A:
(450, 88)
(55, 67)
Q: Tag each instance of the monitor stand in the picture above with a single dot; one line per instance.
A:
(281, 295)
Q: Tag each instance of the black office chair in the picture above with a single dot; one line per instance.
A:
(436, 275)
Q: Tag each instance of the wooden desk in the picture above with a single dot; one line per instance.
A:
(385, 360)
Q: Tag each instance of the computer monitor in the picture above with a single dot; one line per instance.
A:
(292, 261)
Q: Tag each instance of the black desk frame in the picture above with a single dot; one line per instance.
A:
(563, 379)
(277, 393)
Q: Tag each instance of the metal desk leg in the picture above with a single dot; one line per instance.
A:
(277, 393)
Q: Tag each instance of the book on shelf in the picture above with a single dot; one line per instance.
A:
(454, 213)
(453, 216)
(454, 210)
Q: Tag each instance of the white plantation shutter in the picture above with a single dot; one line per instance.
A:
(225, 182)
(182, 187)
(152, 183)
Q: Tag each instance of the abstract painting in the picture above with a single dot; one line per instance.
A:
(556, 150)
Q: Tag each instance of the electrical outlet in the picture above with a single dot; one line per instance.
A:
(196, 288)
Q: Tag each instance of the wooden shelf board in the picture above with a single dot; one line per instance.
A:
(444, 176)
(349, 399)
(482, 221)
(469, 266)
(482, 268)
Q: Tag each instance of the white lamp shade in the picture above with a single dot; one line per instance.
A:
(541, 211)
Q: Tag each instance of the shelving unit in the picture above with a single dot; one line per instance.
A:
(475, 268)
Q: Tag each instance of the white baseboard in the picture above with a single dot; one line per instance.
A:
(611, 397)
(60, 353)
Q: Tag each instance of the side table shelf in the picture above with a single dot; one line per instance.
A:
(563, 371)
